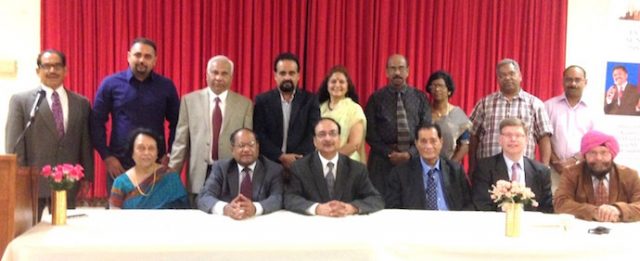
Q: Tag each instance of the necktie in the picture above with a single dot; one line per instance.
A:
(56, 109)
(404, 138)
(331, 180)
(515, 172)
(216, 123)
(619, 95)
(432, 195)
(245, 186)
(602, 195)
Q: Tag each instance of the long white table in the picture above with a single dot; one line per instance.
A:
(385, 235)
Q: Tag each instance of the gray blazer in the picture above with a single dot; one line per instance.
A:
(223, 184)
(193, 133)
(308, 186)
(41, 145)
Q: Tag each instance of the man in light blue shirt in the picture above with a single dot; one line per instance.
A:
(429, 182)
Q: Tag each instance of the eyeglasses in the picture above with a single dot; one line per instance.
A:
(323, 134)
(572, 80)
(397, 68)
(601, 153)
(250, 145)
(49, 66)
(513, 135)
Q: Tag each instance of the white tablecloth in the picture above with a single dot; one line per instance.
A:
(385, 235)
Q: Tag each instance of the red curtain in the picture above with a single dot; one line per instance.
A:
(465, 37)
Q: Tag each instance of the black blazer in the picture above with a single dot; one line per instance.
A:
(405, 187)
(268, 118)
(308, 186)
(490, 170)
(223, 184)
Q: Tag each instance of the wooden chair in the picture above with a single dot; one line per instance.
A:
(18, 199)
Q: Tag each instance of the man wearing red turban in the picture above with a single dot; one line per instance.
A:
(599, 189)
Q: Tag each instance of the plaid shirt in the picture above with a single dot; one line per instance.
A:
(495, 107)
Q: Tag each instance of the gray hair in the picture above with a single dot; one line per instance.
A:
(219, 58)
(506, 61)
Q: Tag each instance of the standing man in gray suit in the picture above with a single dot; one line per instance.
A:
(59, 130)
(245, 186)
(206, 116)
(327, 183)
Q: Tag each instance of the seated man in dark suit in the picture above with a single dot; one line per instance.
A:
(245, 186)
(512, 165)
(319, 188)
(430, 182)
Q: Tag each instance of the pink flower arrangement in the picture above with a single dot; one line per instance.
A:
(512, 192)
(63, 176)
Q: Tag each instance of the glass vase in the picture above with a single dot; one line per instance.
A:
(513, 213)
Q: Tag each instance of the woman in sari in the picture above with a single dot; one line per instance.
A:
(148, 185)
(339, 101)
(452, 120)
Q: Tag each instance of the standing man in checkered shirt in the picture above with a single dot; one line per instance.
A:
(510, 101)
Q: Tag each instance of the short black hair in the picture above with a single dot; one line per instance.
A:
(146, 132)
(323, 92)
(621, 67)
(328, 119)
(145, 41)
(429, 125)
(584, 73)
(63, 58)
(286, 56)
(441, 74)
(232, 138)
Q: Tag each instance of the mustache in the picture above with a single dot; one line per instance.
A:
(287, 86)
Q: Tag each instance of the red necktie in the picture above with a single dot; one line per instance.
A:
(602, 195)
(216, 123)
(245, 186)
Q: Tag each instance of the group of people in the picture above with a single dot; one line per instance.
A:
(305, 152)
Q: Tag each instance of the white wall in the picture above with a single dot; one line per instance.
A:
(596, 36)
(20, 32)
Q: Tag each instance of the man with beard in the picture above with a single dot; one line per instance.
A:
(393, 115)
(327, 183)
(283, 118)
(510, 101)
(599, 189)
(134, 98)
(571, 117)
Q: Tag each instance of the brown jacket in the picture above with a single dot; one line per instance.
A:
(575, 193)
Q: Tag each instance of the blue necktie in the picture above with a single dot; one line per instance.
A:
(432, 195)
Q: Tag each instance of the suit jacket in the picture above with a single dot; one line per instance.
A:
(628, 103)
(490, 170)
(224, 181)
(268, 118)
(41, 145)
(352, 185)
(405, 187)
(193, 133)
(575, 193)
